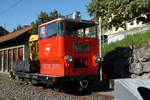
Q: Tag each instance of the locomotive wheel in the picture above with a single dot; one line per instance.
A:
(59, 87)
(21, 78)
(34, 82)
(27, 81)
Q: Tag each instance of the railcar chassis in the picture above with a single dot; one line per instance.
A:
(56, 82)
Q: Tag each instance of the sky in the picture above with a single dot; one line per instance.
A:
(23, 12)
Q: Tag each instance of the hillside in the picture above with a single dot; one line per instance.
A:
(126, 54)
(138, 40)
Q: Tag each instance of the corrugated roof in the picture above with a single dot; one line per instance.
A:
(14, 34)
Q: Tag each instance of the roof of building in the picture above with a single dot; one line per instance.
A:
(93, 19)
(3, 31)
(15, 34)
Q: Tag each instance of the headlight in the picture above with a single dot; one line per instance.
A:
(69, 59)
(97, 59)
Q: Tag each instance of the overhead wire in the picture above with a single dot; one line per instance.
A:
(9, 8)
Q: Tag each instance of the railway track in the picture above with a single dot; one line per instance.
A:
(92, 96)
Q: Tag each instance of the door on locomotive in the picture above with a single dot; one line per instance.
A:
(69, 47)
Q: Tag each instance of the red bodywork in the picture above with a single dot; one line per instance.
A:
(53, 52)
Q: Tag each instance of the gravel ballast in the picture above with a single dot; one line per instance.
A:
(16, 90)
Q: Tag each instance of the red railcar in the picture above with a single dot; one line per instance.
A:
(67, 48)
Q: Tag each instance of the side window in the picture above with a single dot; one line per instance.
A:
(43, 33)
(52, 30)
(61, 28)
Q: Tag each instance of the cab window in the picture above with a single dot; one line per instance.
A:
(43, 33)
(52, 30)
(80, 29)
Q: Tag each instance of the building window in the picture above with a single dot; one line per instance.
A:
(52, 30)
(43, 33)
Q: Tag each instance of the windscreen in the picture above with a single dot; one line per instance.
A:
(81, 30)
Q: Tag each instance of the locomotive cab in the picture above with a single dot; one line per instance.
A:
(68, 47)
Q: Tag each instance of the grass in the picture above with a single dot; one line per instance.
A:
(139, 40)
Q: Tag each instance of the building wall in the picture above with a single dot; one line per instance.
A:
(121, 35)
(9, 55)
(129, 26)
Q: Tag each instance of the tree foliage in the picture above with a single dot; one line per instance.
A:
(46, 17)
(18, 27)
(117, 12)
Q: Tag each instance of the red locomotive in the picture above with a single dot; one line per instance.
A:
(68, 50)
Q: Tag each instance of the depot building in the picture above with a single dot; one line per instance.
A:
(12, 46)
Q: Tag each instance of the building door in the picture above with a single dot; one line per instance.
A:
(5, 61)
(20, 53)
(9, 59)
(0, 60)
(15, 54)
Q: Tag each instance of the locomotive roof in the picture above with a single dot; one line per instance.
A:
(72, 20)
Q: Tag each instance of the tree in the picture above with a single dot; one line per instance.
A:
(46, 17)
(117, 12)
(18, 27)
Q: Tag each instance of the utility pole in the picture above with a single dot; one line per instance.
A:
(100, 49)
(100, 38)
